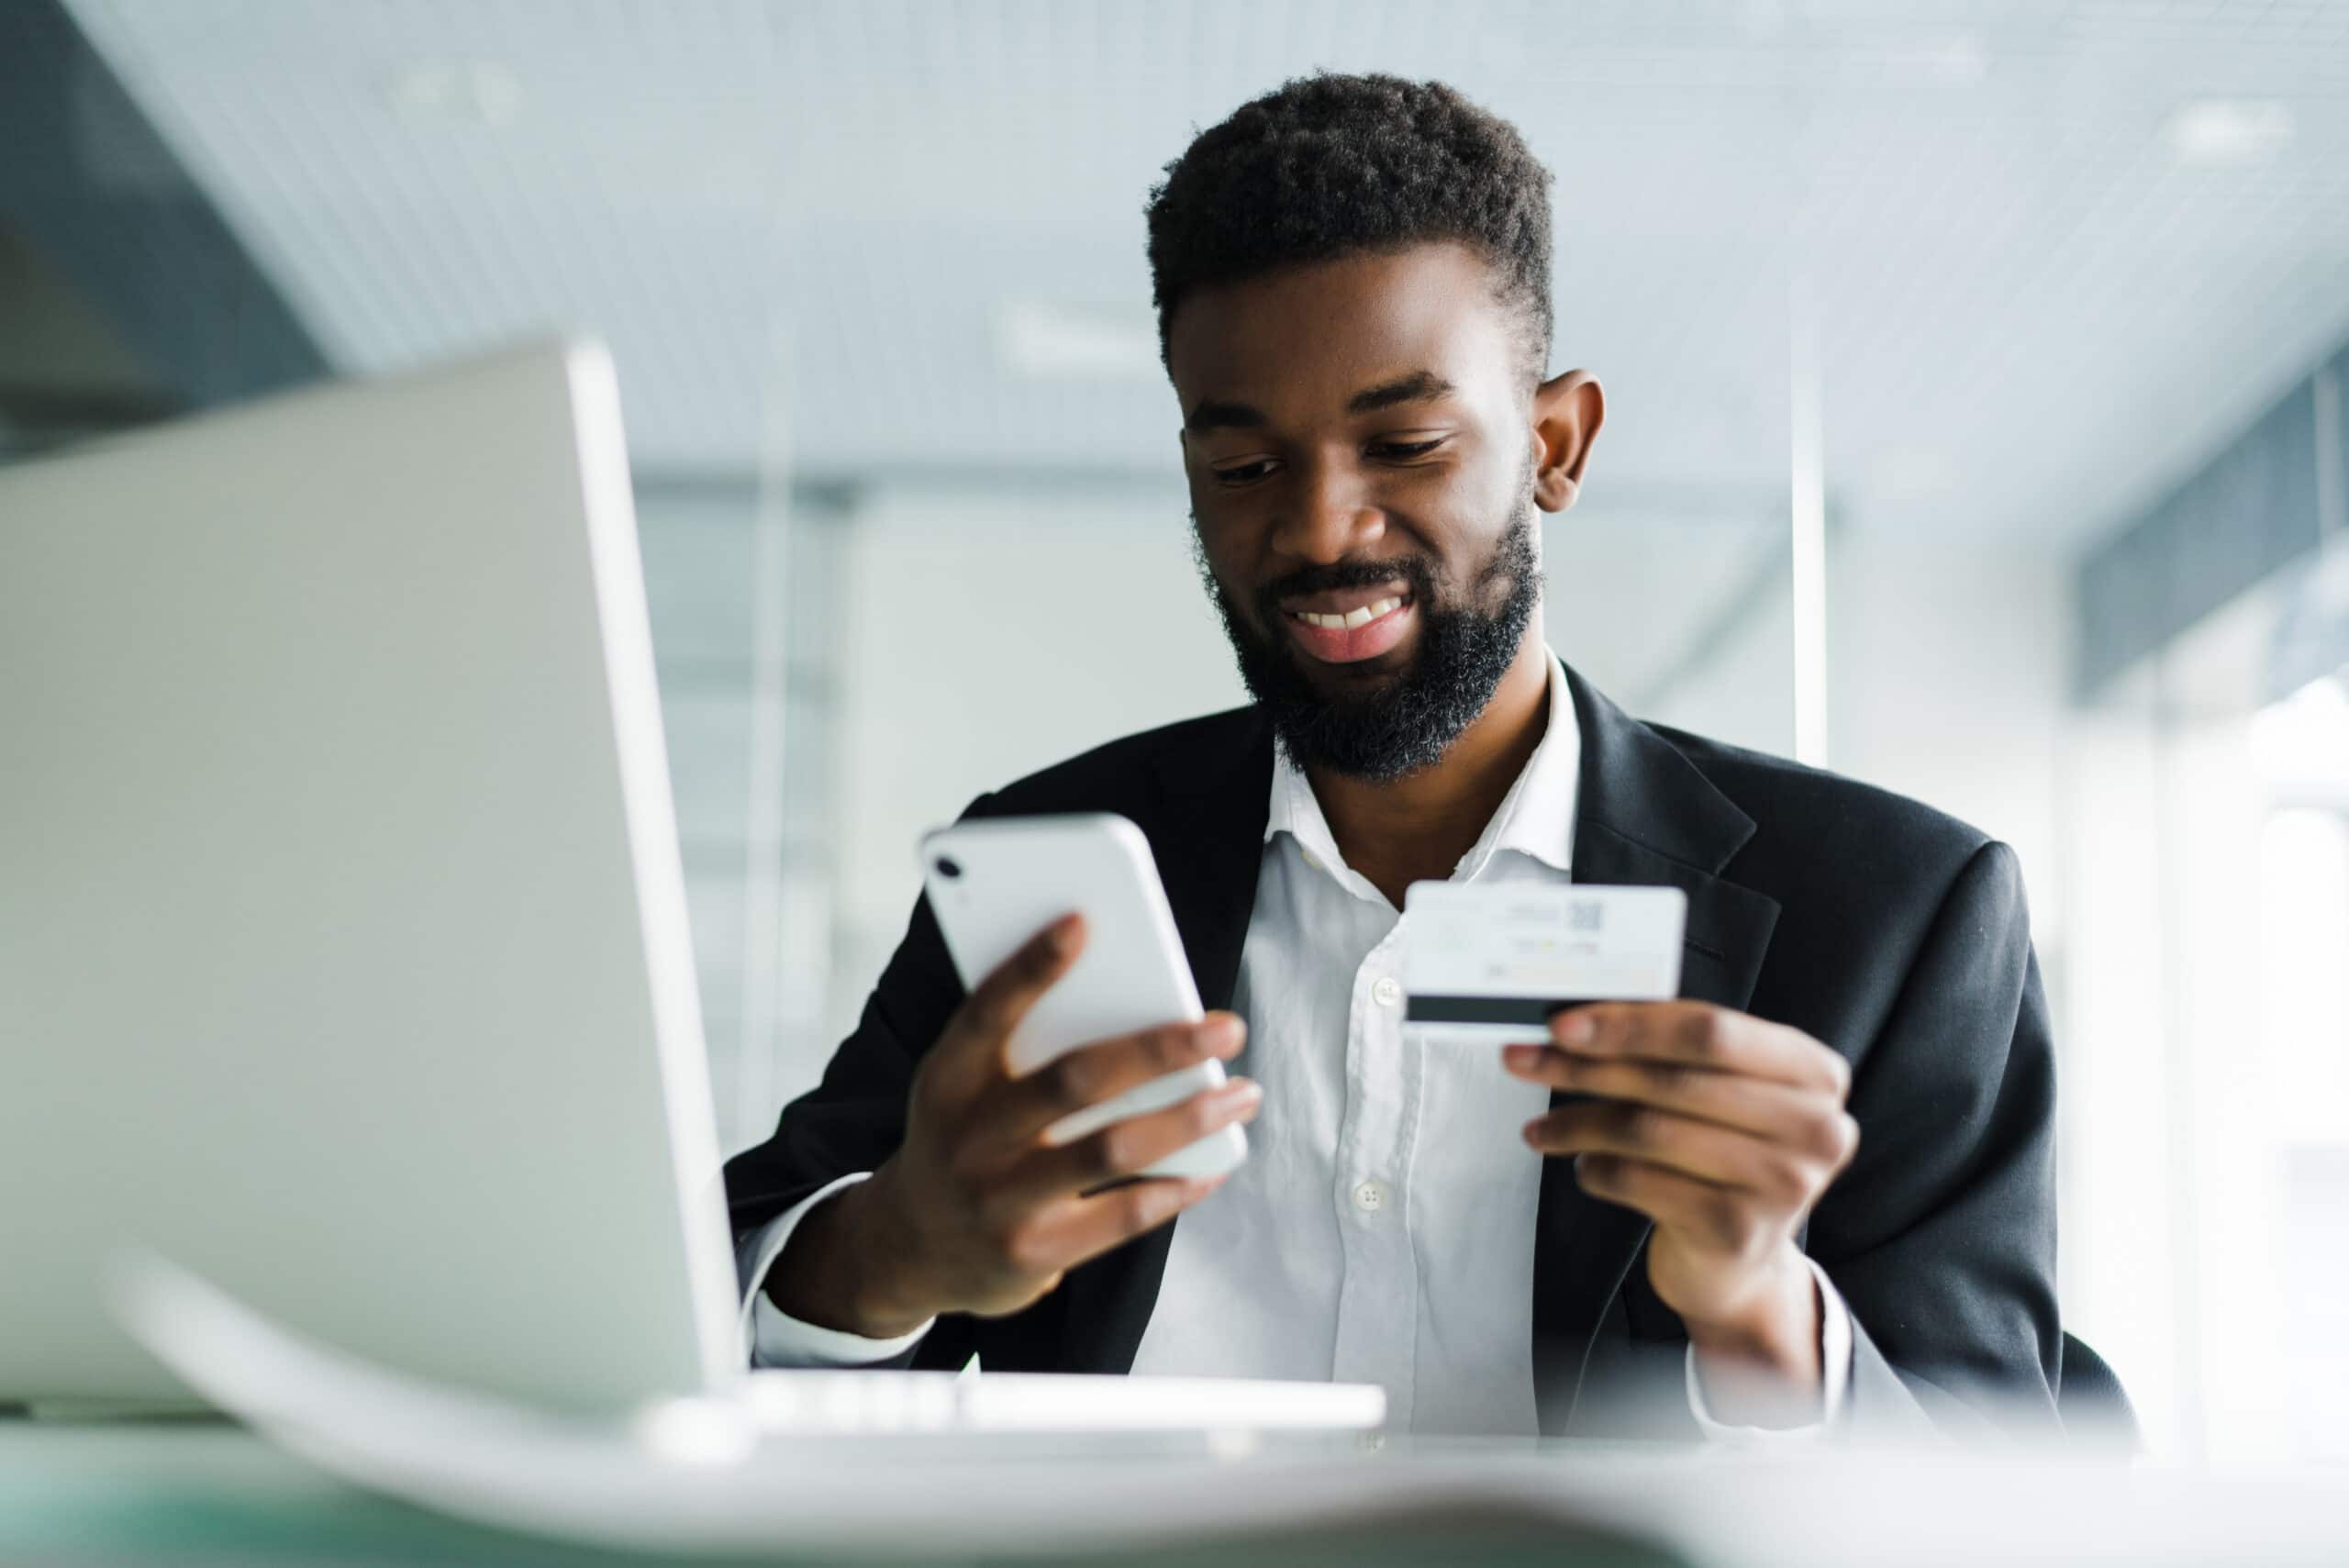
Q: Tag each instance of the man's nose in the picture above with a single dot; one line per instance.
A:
(1330, 516)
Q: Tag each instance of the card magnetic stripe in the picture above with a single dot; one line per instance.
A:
(1438, 1009)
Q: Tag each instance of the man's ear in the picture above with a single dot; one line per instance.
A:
(1567, 411)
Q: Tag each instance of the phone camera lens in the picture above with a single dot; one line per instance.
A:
(948, 868)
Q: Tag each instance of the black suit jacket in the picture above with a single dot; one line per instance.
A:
(1891, 932)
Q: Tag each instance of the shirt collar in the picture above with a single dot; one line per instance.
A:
(1536, 819)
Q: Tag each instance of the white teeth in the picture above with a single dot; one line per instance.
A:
(1362, 616)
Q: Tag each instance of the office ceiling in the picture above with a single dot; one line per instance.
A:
(2057, 252)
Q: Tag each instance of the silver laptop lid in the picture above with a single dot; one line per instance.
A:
(343, 954)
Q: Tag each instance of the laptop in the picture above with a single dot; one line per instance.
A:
(343, 953)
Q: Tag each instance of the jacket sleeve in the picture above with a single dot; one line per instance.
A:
(1941, 1235)
(855, 1117)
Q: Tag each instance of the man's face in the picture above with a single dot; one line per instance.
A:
(1362, 472)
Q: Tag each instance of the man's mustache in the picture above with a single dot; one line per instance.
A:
(1415, 570)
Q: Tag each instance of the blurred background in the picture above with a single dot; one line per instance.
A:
(1975, 428)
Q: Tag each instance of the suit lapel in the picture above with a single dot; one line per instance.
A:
(1210, 853)
(1209, 840)
(1645, 815)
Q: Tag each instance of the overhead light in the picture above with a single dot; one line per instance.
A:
(470, 92)
(2214, 132)
(1059, 341)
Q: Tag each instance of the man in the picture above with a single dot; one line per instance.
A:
(1815, 1192)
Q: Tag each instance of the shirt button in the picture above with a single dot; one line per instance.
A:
(1387, 992)
(1312, 860)
(1370, 1196)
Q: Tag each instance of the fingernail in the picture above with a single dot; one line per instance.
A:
(1222, 1033)
(1520, 1057)
(1574, 1029)
(1064, 936)
(1240, 1093)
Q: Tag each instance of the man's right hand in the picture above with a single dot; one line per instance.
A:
(979, 1211)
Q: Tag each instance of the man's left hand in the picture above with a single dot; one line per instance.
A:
(1724, 1130)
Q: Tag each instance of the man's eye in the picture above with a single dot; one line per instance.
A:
(1244, 473)
(1401, 449)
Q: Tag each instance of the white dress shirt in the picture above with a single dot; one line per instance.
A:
(1382, 1229)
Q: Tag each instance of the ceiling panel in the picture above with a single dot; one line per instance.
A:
(801, 225)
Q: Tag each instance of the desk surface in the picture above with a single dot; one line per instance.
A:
(201, 1491)
(206, 1492)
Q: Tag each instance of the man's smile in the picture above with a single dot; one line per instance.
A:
(1346, 625)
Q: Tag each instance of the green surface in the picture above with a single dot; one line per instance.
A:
(207, 1492)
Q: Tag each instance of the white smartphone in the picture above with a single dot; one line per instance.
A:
(995, 883)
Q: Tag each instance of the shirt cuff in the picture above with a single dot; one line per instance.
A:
(1834, 1369)
(776, 1338)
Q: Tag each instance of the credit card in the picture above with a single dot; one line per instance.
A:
(1486, 962)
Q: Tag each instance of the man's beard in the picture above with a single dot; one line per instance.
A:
(1407, 722)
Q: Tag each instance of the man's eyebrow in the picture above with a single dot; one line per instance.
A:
(1420, 386)
(1218, 414)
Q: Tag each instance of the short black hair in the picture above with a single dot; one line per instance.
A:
(1328, 166)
